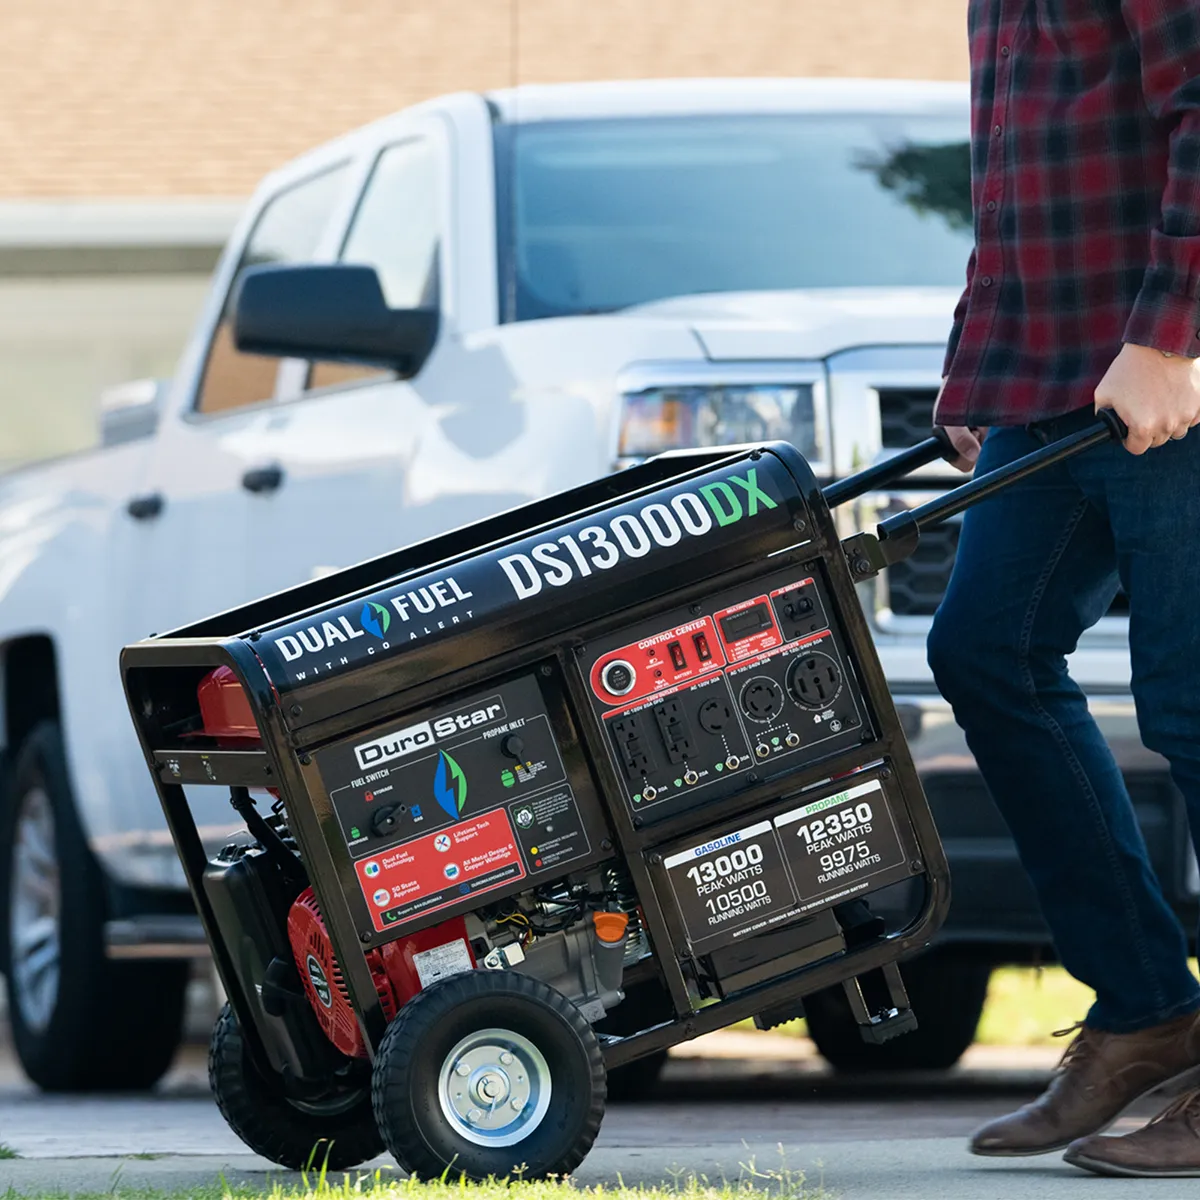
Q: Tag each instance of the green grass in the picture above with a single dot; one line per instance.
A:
(752, 1183)
(7, 1152)
(1025, 1005)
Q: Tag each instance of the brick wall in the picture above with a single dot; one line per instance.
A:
(122, 98)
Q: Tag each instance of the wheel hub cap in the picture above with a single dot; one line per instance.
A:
(494, 1087)
(34, 911)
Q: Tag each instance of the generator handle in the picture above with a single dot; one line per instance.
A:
(883, 474)
(896, 537)
(1107, 427)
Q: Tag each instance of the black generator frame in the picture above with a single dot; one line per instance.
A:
(161, 674)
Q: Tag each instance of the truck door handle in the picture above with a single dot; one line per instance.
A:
(145, 508)
(263, 479)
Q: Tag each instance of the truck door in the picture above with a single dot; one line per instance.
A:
(342, 441)
(206, 485)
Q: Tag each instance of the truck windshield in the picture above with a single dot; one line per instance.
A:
(599, 215)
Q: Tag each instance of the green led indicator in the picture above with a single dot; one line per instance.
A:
(774, 741)
(638, 798)
(679, 783)
(719, 766)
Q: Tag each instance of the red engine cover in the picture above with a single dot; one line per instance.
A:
(393, 968)
(323, 980)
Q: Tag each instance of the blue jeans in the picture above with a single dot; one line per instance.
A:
(1037, 565)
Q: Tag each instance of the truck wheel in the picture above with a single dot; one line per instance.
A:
(487, 1073)
(947, 990)
(80, 1022)
(337, 1132)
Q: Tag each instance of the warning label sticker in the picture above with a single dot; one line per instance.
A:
(430, 872)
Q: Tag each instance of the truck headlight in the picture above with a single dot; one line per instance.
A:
(675, 416)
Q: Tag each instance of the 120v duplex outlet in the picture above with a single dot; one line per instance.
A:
(634, 752)
(675, 731)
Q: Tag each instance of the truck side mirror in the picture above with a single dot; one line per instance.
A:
(332, 312)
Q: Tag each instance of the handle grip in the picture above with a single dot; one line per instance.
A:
(263, 479)
(146, 508)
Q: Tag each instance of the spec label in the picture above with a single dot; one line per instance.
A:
(450, 958)
(838, 845)
(732, 885)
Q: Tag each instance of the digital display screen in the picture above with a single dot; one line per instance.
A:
(743, 624)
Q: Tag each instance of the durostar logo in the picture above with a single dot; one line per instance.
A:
(449, 785)
(375, 618)
(394, 745)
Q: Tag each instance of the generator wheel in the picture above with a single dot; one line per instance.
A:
(489, 1073)
(338, 1132)
(80, 1021)
(947, 990)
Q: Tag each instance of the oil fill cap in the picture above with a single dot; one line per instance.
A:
(610, 926)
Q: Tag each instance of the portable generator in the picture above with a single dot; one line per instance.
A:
(546, 795)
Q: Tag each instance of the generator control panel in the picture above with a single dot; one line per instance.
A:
(450, 803)
(692, 700)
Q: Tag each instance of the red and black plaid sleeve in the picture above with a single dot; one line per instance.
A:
(1086, 186)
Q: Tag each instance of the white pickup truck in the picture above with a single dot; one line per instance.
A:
(574, 277)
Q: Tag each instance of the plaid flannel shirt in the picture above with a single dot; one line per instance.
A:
(1085, 169)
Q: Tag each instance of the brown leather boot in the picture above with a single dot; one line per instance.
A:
(1100, 1075)
(1169, 1147)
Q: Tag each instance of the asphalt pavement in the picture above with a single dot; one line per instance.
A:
(729, 1103)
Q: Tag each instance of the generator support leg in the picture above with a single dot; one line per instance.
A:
(888, 1015)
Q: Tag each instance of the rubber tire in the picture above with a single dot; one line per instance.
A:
(270, 1125)
(947, 990)
(405, 1077)
(116, 1026)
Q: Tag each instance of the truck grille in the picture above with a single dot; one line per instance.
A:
(905, 415)
(915, 586)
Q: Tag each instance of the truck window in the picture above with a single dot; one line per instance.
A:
(288, 230)
(396, 230)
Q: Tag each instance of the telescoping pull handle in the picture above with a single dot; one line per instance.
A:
(897, 537)
(886, 473)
